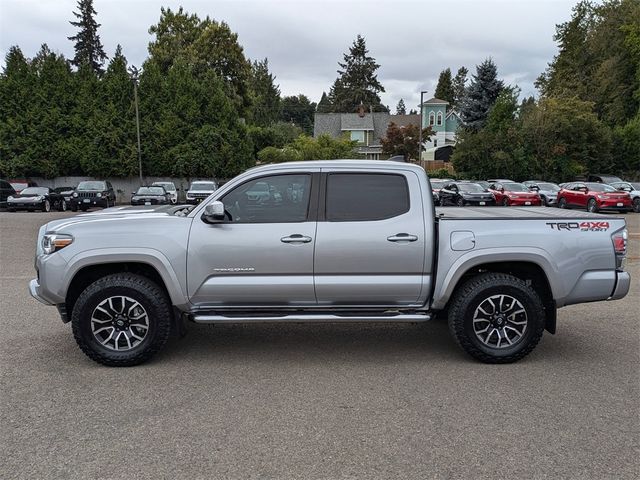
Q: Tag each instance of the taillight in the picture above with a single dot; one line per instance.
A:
(619, 240)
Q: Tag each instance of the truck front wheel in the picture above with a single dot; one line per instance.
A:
(496, 318)
(122, 320)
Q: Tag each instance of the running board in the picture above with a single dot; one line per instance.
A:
(312, 317)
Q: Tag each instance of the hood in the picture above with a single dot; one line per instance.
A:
(121, 214)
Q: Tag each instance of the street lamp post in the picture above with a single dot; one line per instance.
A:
(421, 119)
(134, 72)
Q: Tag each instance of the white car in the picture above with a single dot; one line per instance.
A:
(633, 189)
(171, 189)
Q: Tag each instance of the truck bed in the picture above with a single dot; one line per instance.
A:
(518, 213)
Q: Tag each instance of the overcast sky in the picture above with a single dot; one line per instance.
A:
(304, 39)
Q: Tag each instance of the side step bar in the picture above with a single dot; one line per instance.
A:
(312, 317)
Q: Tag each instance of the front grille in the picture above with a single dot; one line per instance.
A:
(199, 195)
(87, 194)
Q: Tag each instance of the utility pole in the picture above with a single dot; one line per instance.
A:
(134, 72)
(421, 117)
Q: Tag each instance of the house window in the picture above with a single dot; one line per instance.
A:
(432, 118)
(357, 135)
(439, 119)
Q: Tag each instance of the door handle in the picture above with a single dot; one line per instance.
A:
(296, 238)
(402, 237)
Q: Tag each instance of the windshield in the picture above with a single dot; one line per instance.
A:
(34, 191)
(436, 185)
(91, 186)
(515, 187)
(150, 191)
(203, 186)
(600, 187)
(470, 188)
(636, 186)
(168, 186)
(550, 187)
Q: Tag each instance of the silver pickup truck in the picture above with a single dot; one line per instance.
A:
(329, 241)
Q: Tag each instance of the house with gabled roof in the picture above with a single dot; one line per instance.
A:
(444, 121)
(366, 128)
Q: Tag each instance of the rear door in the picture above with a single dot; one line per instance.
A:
(578, 197)
(370, 240)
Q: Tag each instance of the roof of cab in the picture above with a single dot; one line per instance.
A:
(346, 163)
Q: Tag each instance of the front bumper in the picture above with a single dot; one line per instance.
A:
(623, 282)
(88, 202)
(524, 202)
(24, 205)
(36, 292)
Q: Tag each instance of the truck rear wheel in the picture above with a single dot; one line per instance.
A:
(496, 318)
(122, 320)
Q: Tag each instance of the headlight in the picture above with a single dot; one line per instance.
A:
(52, 242)
(75, 194)
(10, 197)
(39, 198)
(99, 195)
(601, 197)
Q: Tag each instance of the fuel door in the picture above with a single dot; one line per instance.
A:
(462, 240)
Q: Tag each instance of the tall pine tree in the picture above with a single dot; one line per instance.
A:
(481, 95)
(88, 47)
(265, 94)
(357, 82)
(401, 109)
(459, 86)
(324, 105)
(444, 89)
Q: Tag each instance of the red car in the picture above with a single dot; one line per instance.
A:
(594, 197)
(513, 193)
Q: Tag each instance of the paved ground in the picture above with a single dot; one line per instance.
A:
(315, 401)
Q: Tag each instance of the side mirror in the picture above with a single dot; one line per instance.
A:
(534, 187)
(502, 189)
(583, 189)
(213, 212)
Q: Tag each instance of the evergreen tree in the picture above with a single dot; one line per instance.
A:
(481, 95)
(324, 105)
(413, 112)
(206, 45)
(444, 89)
(357, 82)
(88, 47)
(400, 108)
(265, 94)
(459, 86)
(299, 110)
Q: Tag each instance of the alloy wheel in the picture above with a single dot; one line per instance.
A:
(500, 321)
(119, 323)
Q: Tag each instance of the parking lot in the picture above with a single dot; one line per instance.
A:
(316, 401)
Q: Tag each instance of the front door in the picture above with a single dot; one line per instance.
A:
(370, 242)
(262, 255)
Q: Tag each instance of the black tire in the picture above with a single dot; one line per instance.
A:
(636, 204)
(472, 294)
(74, 207)
(148, 294)
(11, 209)
(592, 205)
(63, 206)
(505, 202)
(84, 209)
(46, 206)
(460, 202)
(562, 203)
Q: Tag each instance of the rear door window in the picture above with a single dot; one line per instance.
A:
(357, 197)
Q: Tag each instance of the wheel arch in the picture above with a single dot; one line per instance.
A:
(88, 269)
(533, 269)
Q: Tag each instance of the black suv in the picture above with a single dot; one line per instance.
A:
(6, 190)
(93, 193)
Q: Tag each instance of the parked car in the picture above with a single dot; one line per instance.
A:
(152, 195)
(602, 178)
(633, 189)
(19, 185)
(36, 198)
(436, 186)
(362, 243)
(199, 190)
(6, 190)
(548, 191)
(483, 183)
(512, 193)
(594, 197)
(465, 193)
(66, 192)
(170, 188)
(93, 193)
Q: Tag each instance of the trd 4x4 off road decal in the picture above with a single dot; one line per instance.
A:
(582, 226)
